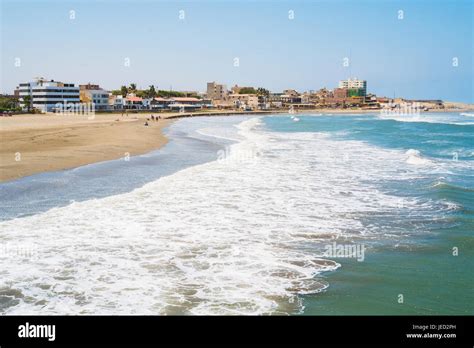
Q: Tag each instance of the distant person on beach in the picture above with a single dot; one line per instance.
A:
(146, 123)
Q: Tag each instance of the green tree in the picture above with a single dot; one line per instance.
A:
(123, 91)
(169, 94)
(262, 91)
(8, 103)
(247, 90)
(132, 88)
(141, 93)
(27, 101)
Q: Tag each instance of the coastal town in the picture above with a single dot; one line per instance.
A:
(49, 96)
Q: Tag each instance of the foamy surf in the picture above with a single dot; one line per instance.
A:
(414, 157)
(440, 118)
(239, 235)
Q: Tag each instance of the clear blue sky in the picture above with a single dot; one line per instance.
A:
(412, 57)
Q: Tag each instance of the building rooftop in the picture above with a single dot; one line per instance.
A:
(134, 99)
(185, 99)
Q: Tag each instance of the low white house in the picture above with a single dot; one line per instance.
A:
(185, 103)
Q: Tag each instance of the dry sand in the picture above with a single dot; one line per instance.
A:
(37, 143)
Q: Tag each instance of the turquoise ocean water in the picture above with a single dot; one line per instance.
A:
(235, 215)
(418, 261)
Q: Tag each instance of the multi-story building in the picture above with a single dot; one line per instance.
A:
(275, 100)
(94, 94)
(356, 92)
(290, 99)
(355, 84)
(48, 95)
(340, 93)
(244, 101)
(216, 91)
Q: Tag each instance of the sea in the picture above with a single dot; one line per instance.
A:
(307, 214)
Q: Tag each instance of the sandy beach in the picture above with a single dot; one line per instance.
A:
(33, 144)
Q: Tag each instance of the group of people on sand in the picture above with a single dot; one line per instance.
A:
(153, 118)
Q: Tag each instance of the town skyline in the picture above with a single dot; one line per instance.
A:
(301, 45)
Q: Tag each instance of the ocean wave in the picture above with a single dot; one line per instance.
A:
(414, 157)
(427, 118)
(245, 234)
(441, 185)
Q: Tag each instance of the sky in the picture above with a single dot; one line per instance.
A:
(423, 52)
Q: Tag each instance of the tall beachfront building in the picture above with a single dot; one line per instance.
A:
(216, 91)
(354, 84)
(45, 95)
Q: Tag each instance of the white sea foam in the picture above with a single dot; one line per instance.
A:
(414, 157)
(440, 118)
(225, 237)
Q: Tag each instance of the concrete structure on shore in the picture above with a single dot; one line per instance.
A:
(47, 95)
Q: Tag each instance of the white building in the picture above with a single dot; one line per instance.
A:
(354, 83)
(117, 102)
(185, 103)
(94, 94)
(47, 95)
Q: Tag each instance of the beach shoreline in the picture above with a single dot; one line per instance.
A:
(37, 143)
(33, 144)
